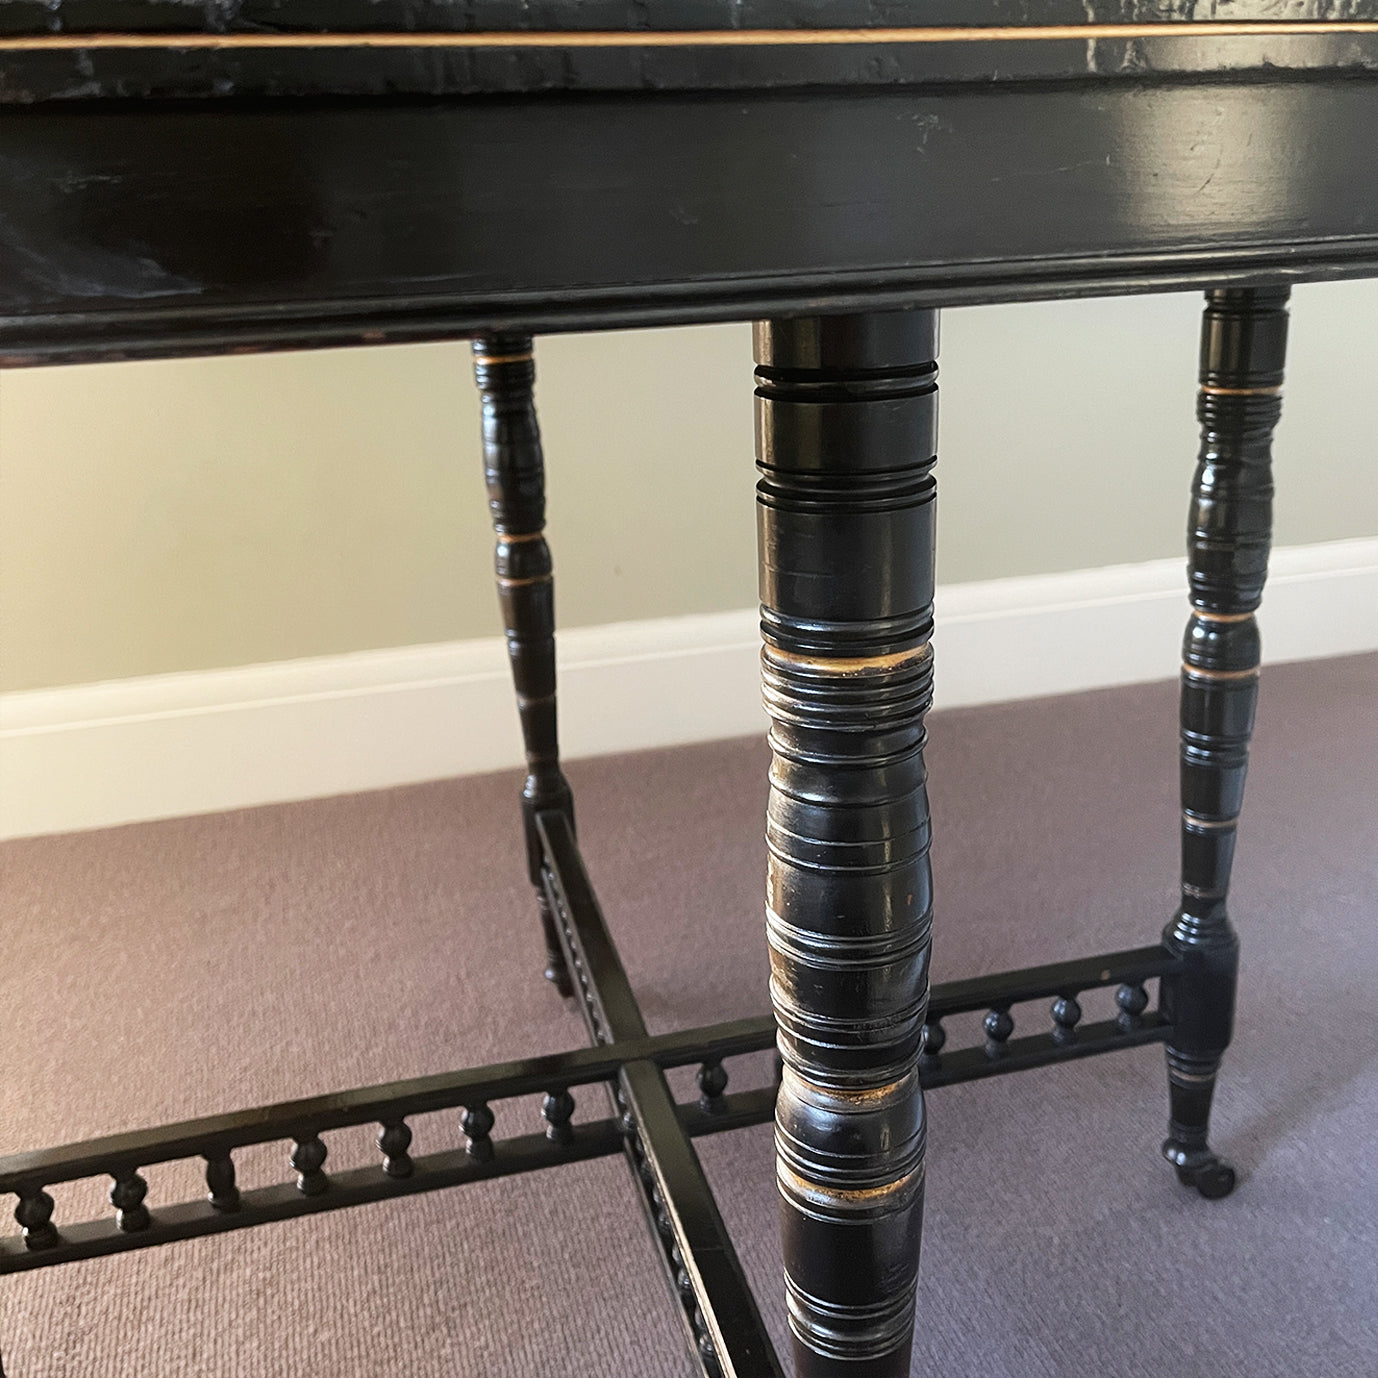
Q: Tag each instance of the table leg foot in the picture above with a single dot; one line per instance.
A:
(847, 417)
(514, 468)
(1191, 1087)
(1243, 348)
(1213, 1177)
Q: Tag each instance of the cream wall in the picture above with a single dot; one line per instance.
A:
(195, 514)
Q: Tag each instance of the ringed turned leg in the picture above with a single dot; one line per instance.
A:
(1243, 346)
(514, 468)
(846, 430)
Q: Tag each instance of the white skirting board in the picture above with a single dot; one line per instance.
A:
(95, 755)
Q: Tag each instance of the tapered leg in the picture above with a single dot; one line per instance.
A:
(846, 428)
(1243, 346)
(514, 468)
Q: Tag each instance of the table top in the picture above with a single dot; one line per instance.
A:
(181, 176)
(80, 49)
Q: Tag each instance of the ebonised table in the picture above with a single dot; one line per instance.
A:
(200, 176)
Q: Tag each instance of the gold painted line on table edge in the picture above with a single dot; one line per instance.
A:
(689, 38)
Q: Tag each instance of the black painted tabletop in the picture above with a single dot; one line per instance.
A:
(99, 49)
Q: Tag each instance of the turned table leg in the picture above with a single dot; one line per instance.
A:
(1243, 344)
(515, 471)
(846, 429)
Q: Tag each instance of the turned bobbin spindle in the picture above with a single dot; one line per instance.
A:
(127, 1196)
(998, 1025)
(394, 1139)
(1066, 1012)
(34, 1214)
(221, 1189)
(308, 1161)
(712, 1083)
(477, 1123)
(1132, 1000)
(557, 1109)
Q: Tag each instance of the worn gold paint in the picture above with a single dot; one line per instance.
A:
(506, 583)
(688, 38)
(1222, 675)
(505, 539)
(1195, 1077)
(1201, 892)
(1240, 392)
(504, 358)
(851, 665)
(858, 1097)
(1222, 616)
(1213, 824)
(848, 1196)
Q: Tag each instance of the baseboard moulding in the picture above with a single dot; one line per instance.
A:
(97, 755)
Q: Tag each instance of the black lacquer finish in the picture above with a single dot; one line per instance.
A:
(1243, 350)
(216, 1138)
(514, 467)
(846, 434)
(721, 1322)
(191, 176)
(360, 222)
